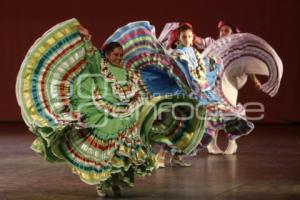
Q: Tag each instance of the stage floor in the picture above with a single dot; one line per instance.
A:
(267, 166)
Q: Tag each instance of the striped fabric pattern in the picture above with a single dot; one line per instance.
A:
(142, 51)
(47, 83)
(43, 82)
(251, 52)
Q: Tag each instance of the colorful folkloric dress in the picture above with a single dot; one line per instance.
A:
(83, 110)
(238, 55)
(95, 116)
(242, 54)
(168, 85)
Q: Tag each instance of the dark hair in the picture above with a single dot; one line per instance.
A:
(183, 27)
(110, 47)
(232, 27)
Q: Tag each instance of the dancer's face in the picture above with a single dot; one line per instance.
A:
(225, 31)
(186, 38)
(115, 56)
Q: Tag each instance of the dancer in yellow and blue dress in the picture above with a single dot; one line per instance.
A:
(202, 71)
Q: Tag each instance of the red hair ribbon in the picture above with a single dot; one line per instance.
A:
(174, 34)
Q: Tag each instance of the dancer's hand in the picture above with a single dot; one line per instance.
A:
(84, 32)
(198, 41)
(258, 85)
(256, 82)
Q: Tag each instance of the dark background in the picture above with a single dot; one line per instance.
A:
(22, 22)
